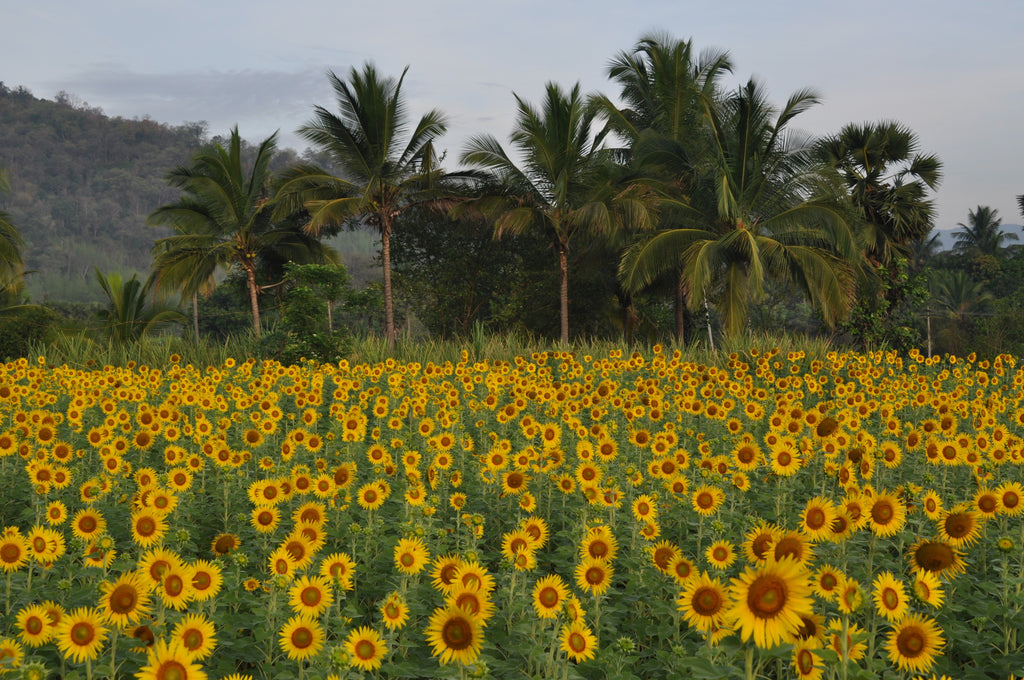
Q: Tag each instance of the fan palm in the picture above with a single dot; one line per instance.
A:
(760, 207)
(381, 170)
(224, 220)
(983, 233)
(888, 181)
(566, 185)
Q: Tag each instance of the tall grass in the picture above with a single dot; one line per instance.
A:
(80, 351)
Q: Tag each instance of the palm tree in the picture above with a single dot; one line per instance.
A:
(888, 181)
(380, 175)
(760, 207)
(566, 186)
(130, 315)
(665, 87)
(983, 234)
(224, 220)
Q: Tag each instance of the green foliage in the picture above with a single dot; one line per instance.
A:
(22, 327)
(889, 300)
(306, 330)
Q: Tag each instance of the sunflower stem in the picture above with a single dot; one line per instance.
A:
(748, 663)
(113, 654)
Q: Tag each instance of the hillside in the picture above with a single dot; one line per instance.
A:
(82, 184)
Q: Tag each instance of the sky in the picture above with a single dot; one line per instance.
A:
(950, 70)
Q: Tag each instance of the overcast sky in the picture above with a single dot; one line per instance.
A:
(952, 71)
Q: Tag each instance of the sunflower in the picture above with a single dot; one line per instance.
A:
(577, 641)
(301, 637)
(125, 600)
(340, 568)
(395, 611)
(816, 519)
(474, 601)
(931, 504)
(443, 573)
(148, 527)
(937, 557)
(914, 643)
(411, 556)
(169, 660)
(153, 564)
(960, 527)
(300, 548)
(282, 563)
(806, 662)
(794, 544)
(759, 540)
(56, 513)
(681, 569)
(310, 595)
(80, 634)
(662, 555)
(366, 648)
(886, 515)
(371, 496)
(472, 575)
(265, 519)
(849, 596)
(768, 601)
(11, 653)
(890, 596)
(206, 580)
(826, 582)
(721, 554)
(852, 645)
(1010, 494)
(706, 499)
(224, 544)
(644, 508)
(13, 553)
(196, 635)
(549, 595)
(175, 590)
(928, 588)
(537, 529)
(599, 544)
(704, 602)
(594, 575)
(515, 542)
(34, 625)
(454, 635)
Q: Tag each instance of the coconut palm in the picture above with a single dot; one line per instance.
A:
(983, 233)
(383, 166)
(130, 314)
(888, 181)
(566, 186)
(665, 87)
(760, 207)
(224, 220)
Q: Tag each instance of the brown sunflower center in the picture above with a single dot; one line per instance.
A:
(707, 601)
(82, 633)
(123, 599)
(302, 638)
(548, 597)
(457, 634)
(365, 650)
(193, 639)
(767, 596)
(890, 599)
(311, 597)
(911, 642)
(171, 670)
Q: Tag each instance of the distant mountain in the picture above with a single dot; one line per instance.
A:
(81, 186)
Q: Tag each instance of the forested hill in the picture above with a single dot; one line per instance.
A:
(82, 185)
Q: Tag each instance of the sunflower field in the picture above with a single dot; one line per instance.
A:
(769, 515)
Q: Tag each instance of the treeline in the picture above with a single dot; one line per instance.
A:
(678, 210)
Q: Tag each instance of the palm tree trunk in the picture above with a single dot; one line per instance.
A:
(250, 279)
(389, 308)
(681, 311)
(195, 316)
(563, 268)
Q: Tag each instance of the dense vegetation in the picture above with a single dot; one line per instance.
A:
(678, 210)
